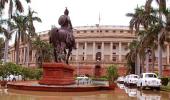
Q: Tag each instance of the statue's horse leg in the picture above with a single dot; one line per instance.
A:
(68, 54)
(55, 55)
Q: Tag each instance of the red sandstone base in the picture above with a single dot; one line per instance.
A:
(57, 74)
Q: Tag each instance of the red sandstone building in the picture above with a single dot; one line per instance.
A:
(97, 47)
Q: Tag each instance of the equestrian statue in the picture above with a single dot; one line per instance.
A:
(62, 38)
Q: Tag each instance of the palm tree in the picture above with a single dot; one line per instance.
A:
(44, 51)
(162, 12)
(20, 22)
(19, 8)
(131, 56)
(31, 31)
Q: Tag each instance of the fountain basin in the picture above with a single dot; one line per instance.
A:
(35, 86)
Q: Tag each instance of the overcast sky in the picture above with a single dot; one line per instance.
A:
(84, 12)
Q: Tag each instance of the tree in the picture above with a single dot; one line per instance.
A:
(112, 73)
(162, 11)
(8, 32)
(31, 31)
(44, 51)
(20, 22)
(1, 48)
(131, 57)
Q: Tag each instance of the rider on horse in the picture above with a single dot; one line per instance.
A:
(66, 24)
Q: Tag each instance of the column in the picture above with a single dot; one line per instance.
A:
(85, 53)
(33, 56)
(21, 55)
(111, 51)
(120, 49)
(128, 44)
(102, 50)
(24, 56)
(167, 53)
(77, 52)
(94, 51)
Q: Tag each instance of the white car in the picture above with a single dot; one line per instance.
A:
(82, 77)
(13, 78)
(132, 80)
(120, 80)
(149, 80)
(125, 79)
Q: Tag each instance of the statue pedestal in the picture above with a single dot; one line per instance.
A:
(57, 74)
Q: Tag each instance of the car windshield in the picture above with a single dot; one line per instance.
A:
(150, 76)
(135, 76)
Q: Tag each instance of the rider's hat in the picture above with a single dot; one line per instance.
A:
(66, 12)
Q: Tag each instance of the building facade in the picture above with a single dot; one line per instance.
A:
(97, 47)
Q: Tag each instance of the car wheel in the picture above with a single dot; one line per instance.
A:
(158, 88)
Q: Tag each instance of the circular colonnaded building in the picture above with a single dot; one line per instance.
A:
(97, 47)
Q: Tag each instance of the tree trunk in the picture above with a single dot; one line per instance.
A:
(28, 55)
(17, 49)
(142, 64)
(147, 62)
(160, 49)
(6, 50)
(159, 56)
(153, 59)
(138, 64)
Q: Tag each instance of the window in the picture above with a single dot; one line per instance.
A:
(98, 56)
(78, 31)
(83, 46)
(141, 76)
(99, 47)
(114, 47)
(92, 31)
(150, 76)
(100, 30)
(150, 60)
(121, 31)
(85, 31)
(106, 31)
(113, 58)
(113, 31)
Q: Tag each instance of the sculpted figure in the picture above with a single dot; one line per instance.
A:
(62, 38)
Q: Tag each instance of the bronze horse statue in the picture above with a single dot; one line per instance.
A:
(61, 40)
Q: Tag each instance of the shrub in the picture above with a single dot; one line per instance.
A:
(112, 73)
(14, 69)
(165, 81)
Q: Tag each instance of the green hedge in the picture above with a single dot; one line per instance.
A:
(14, 69)
(165, 81)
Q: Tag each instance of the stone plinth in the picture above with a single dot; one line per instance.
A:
(57, 74)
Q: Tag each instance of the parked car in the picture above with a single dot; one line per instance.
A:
(125, 80)
(149, 80)
(82, 77)
(120, 80)
(13, 78)
(132, 80)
